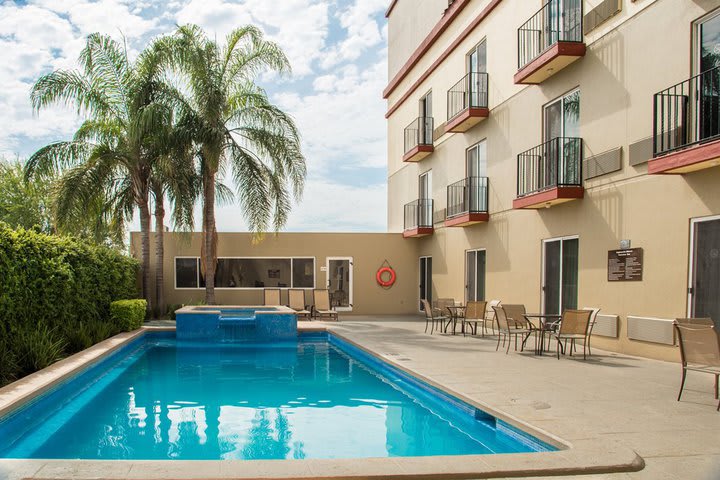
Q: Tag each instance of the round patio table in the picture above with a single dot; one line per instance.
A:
(544, 319)
(456, 312)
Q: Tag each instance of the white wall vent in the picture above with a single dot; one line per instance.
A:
(650, 329)
(606, 326)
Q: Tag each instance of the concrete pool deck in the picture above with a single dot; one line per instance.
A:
(606, 409)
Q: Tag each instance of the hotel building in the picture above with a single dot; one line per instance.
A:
(561, 154)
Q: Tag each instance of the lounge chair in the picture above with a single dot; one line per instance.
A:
(593, 319)
(432, 316)
(321, 304)
(699, 349)
(474, 314)
(573, 326)
(507, 329)
(296, 301)
(271, 297)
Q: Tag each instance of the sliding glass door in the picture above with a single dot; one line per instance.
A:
(560, 274)
(704, 284)
(425, 280)
(474, 275)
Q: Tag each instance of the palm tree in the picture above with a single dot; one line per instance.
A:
(114, 149)
(235, 128)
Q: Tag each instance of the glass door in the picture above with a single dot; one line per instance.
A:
(560, 275)
(425, 281)
(339, 282)
(704, 281)
(426, 134)
(474, 275)
(476, 166)
(561, 118)
(708, 57)
(476, 64)
(425, 194)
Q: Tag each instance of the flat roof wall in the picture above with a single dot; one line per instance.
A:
(368, 252)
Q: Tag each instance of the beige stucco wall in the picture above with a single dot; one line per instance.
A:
(642, 50)
(368, 251)
(411, 21)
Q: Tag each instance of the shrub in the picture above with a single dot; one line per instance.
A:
(8, 363)
(128, 314)
(36, 348)
(50, 285)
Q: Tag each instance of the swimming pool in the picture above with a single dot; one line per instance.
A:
(319, 397)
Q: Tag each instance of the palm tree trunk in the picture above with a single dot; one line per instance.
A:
(159, 251)
(209, 235)
(145, 250)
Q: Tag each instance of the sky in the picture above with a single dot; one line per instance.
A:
(338, 52)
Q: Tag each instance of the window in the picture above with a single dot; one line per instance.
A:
(249, 273)
(187, 272)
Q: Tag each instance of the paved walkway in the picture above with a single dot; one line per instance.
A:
(609, 396)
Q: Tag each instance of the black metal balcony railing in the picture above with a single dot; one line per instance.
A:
(470, 92)
(557, 21)
(556, 163)
(469, 195)
(419, 132)
(419, 214)
(687, 113)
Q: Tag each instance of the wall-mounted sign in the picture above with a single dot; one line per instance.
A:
(625, 265)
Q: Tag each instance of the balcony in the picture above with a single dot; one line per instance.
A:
(418, 139)
(467, 202)
(551, 40)
(467, 102)
(418, 218)
(550, 174)
(686, 125)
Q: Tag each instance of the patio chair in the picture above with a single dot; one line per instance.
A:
(271, 297)
(321, 304)
(515, 314)
(490, 313)
(699, 349)
(296, 301)
(474, 314)
(432, 316)
(441, 304)
(593, 318)
(573, 326)
(507, 329)
(706, 322)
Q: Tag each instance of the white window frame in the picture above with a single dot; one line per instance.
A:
(691, 257)
(350, 279)
(299, 257)
(467, 297)
(420, 259)
(542, 267)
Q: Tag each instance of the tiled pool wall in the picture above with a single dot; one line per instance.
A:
(236, 324)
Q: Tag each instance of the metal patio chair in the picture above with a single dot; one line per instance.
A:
(699, 349)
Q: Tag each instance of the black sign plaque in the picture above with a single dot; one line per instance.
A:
(625, 265)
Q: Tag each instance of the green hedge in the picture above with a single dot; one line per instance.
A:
(56, 292)
(128, 314)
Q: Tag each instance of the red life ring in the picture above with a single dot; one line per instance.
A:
(385, 283)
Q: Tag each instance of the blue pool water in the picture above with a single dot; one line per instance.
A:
(318, 397)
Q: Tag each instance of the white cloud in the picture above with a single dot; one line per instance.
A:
(343, 123)
(363, 32)
(339, 112)
(300, 27)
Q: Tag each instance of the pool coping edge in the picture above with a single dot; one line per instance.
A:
(579, 457)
